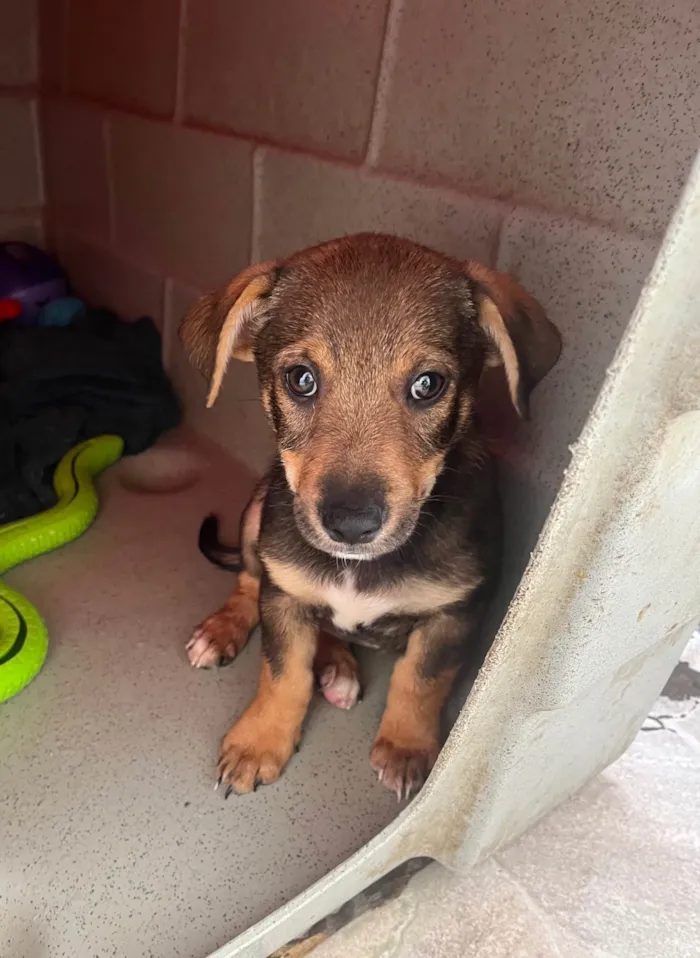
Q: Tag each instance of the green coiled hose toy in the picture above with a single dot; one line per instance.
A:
(23, 635)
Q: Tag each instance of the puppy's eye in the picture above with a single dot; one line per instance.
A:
(301, 381)
(427, 386)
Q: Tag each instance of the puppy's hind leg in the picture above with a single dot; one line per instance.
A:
(337, 672)
(221, 636)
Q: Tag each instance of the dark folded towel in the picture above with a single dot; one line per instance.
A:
(59, 386)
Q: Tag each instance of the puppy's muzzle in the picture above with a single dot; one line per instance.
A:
(352, 514)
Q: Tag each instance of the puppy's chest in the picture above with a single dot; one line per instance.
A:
(350, 608)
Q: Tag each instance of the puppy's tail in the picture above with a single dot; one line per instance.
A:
(226, 557)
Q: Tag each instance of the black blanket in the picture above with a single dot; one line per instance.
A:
(59, 386)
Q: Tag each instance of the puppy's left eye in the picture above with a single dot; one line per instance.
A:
(427, 386)
(301, 382)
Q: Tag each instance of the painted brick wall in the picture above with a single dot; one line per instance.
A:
(21, 193)
(184, 137)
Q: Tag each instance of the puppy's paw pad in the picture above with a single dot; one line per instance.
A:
(402, 768)
(340, 685)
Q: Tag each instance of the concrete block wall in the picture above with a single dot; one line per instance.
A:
(21, 190)
(184, 138)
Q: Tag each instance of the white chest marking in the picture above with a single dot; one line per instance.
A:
(350, 608)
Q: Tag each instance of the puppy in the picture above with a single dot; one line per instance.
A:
(379, 521)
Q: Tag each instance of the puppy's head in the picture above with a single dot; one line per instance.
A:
(369, 350)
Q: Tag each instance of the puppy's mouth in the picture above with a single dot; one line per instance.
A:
(389, 539)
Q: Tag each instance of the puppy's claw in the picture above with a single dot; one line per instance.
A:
(228, 791)
(402, 768)
(218, 782)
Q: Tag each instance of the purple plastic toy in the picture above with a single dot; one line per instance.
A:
(30, 276)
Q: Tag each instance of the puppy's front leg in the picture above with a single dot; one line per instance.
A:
(408, 740)
(262, 741)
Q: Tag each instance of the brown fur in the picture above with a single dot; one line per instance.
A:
(379, 520)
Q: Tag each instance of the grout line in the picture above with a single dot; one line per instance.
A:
(44, 228)
(136, 261)
(258, 159)
(39, 152)
(103, 103)
(386, 65)
(498, 239)
(101, 244)
(141, 113)
(179, 111)
(36, 45)
(257, 139)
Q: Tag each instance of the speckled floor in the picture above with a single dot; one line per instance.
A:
(614, 873)
(112, 840)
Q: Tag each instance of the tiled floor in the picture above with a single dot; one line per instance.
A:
(614, 873)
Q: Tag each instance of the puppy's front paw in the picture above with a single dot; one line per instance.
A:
(218, 640)
(403, 766)
(253, 753)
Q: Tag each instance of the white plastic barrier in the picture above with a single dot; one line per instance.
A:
(609, 599)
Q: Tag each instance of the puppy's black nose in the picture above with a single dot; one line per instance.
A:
(352, 514)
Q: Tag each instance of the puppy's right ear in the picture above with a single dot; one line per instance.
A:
(225, 323)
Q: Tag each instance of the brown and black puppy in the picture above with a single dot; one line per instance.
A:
(379, 522)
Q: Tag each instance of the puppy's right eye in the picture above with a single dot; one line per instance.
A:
(301, 382)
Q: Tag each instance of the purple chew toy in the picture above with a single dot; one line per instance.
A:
(30, 276)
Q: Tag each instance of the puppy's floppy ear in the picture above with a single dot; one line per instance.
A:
(521, 337)
(225, 323)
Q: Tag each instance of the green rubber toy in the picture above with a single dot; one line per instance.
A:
(23, 636)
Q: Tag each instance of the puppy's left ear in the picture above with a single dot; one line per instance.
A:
(224, 324)
(520, 336)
